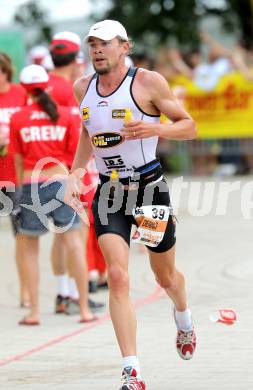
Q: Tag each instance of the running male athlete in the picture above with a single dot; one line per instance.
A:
(129, 150)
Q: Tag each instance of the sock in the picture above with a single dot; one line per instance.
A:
(184, 319)
(132, 361)
(62, 285)
(73, 291)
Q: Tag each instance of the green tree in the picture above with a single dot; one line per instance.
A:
(155, 21)
(29, 15)
(235, 13)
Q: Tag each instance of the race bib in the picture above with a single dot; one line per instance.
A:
(151, 224)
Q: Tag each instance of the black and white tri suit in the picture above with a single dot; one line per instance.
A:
(103, 117)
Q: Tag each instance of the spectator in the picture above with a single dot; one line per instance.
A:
(41, 130)
(12, 98)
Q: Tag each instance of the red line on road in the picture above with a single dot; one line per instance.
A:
(139, 303)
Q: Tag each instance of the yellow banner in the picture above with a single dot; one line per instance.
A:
(224, 112)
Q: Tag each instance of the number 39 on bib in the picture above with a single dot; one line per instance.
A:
(151, 224)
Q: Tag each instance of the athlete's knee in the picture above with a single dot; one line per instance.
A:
(118, 279)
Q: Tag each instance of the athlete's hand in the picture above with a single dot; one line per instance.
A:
(140, 129)
(73, 190)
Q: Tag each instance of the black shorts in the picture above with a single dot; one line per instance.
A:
(119, 219)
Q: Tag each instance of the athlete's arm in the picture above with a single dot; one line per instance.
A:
(83, 153)
(84, 147)
(181, 127)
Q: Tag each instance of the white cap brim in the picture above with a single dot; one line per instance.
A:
(107, 30)
(100, 35)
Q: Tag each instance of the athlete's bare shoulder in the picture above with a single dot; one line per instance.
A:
(80, 87)
(148, 78)
(149, 86)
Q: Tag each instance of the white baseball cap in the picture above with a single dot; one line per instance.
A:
(65, 42)
(37, 54)
(107, 30)
(47, 63)
(34, 76)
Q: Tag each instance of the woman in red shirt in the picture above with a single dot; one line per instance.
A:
(42, 134)
(12, 98)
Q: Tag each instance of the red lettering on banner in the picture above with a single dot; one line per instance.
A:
(230, 99)
(233, 99)
(199, 103)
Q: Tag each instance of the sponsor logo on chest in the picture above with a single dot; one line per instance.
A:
(114, 162)
(107, 140)
(102, 103)
(86, 113)
(119, 113)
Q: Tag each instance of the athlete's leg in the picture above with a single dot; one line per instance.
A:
(169, 278)
(116, 252)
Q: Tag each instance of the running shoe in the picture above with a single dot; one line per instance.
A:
(185, 342)
(60, 304)
(130, 381)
